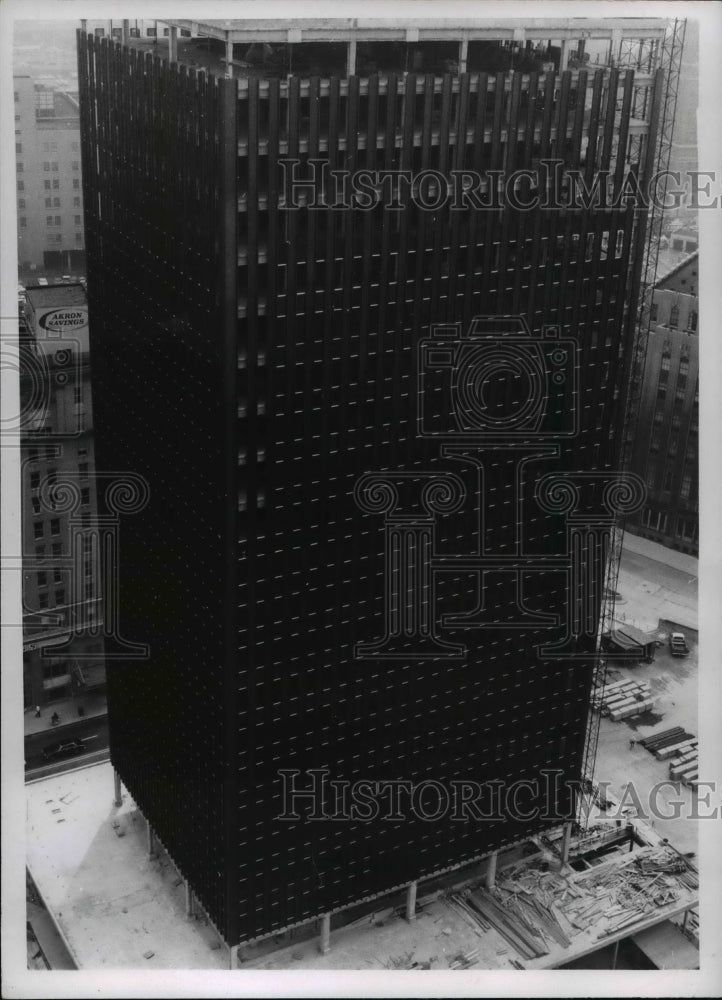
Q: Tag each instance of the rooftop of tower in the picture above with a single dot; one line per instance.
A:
(366, 46)
(347, 29)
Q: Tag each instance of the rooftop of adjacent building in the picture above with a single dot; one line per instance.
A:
(55, 296)
(683, 276)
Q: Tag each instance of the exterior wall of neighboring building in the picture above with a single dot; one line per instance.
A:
(62, 618)
(294, 337)
(49, 194)
(667, 441)
(683, 156)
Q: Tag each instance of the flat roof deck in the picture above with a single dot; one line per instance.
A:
(424, 29)
(111, 902)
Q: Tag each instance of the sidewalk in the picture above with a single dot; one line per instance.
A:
(660, 553)
(651, 589)
(95, 704)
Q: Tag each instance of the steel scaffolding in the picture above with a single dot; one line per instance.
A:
(645, 56)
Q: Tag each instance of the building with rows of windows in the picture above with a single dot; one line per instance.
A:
(49, 181)
(666, 451)
(258, 354)
(62, 613)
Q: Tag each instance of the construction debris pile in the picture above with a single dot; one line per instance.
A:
(680, 749)
(633, 892)
(623, 699)
(539, 911)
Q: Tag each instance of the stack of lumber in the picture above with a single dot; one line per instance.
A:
(458, 902)
(515, 928)
(623, 699)
(680, 748)
(464, 960)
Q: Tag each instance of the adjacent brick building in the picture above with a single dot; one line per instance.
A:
(49, 186)
(62, 615)
(666, 452)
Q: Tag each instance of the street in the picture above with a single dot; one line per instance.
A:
(93, 731)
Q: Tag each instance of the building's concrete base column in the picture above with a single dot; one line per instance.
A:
(566, 842)
(126, 31)
(351, 58)
(490, 880)
(324, 941)
(229, 59)
(150, 841)
(117, 797)
(233, 962)
(411, 901)
(615, 954)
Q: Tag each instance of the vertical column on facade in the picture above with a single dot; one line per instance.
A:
(126, 31)
(615, 45)
(173, 44)
(324, 941)
(233, 957)
(564, 60)
(351, 58)
(229, 56)
(463, 54)
(227, 223)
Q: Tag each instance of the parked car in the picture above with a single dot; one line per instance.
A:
(43, 282)
(678, 644)
(58, 751)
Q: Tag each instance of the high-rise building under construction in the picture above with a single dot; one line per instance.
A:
(361, 320)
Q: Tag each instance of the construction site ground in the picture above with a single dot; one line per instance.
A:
(655, 597)
(118, 908)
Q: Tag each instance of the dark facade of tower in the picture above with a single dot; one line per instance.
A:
(254, 356)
